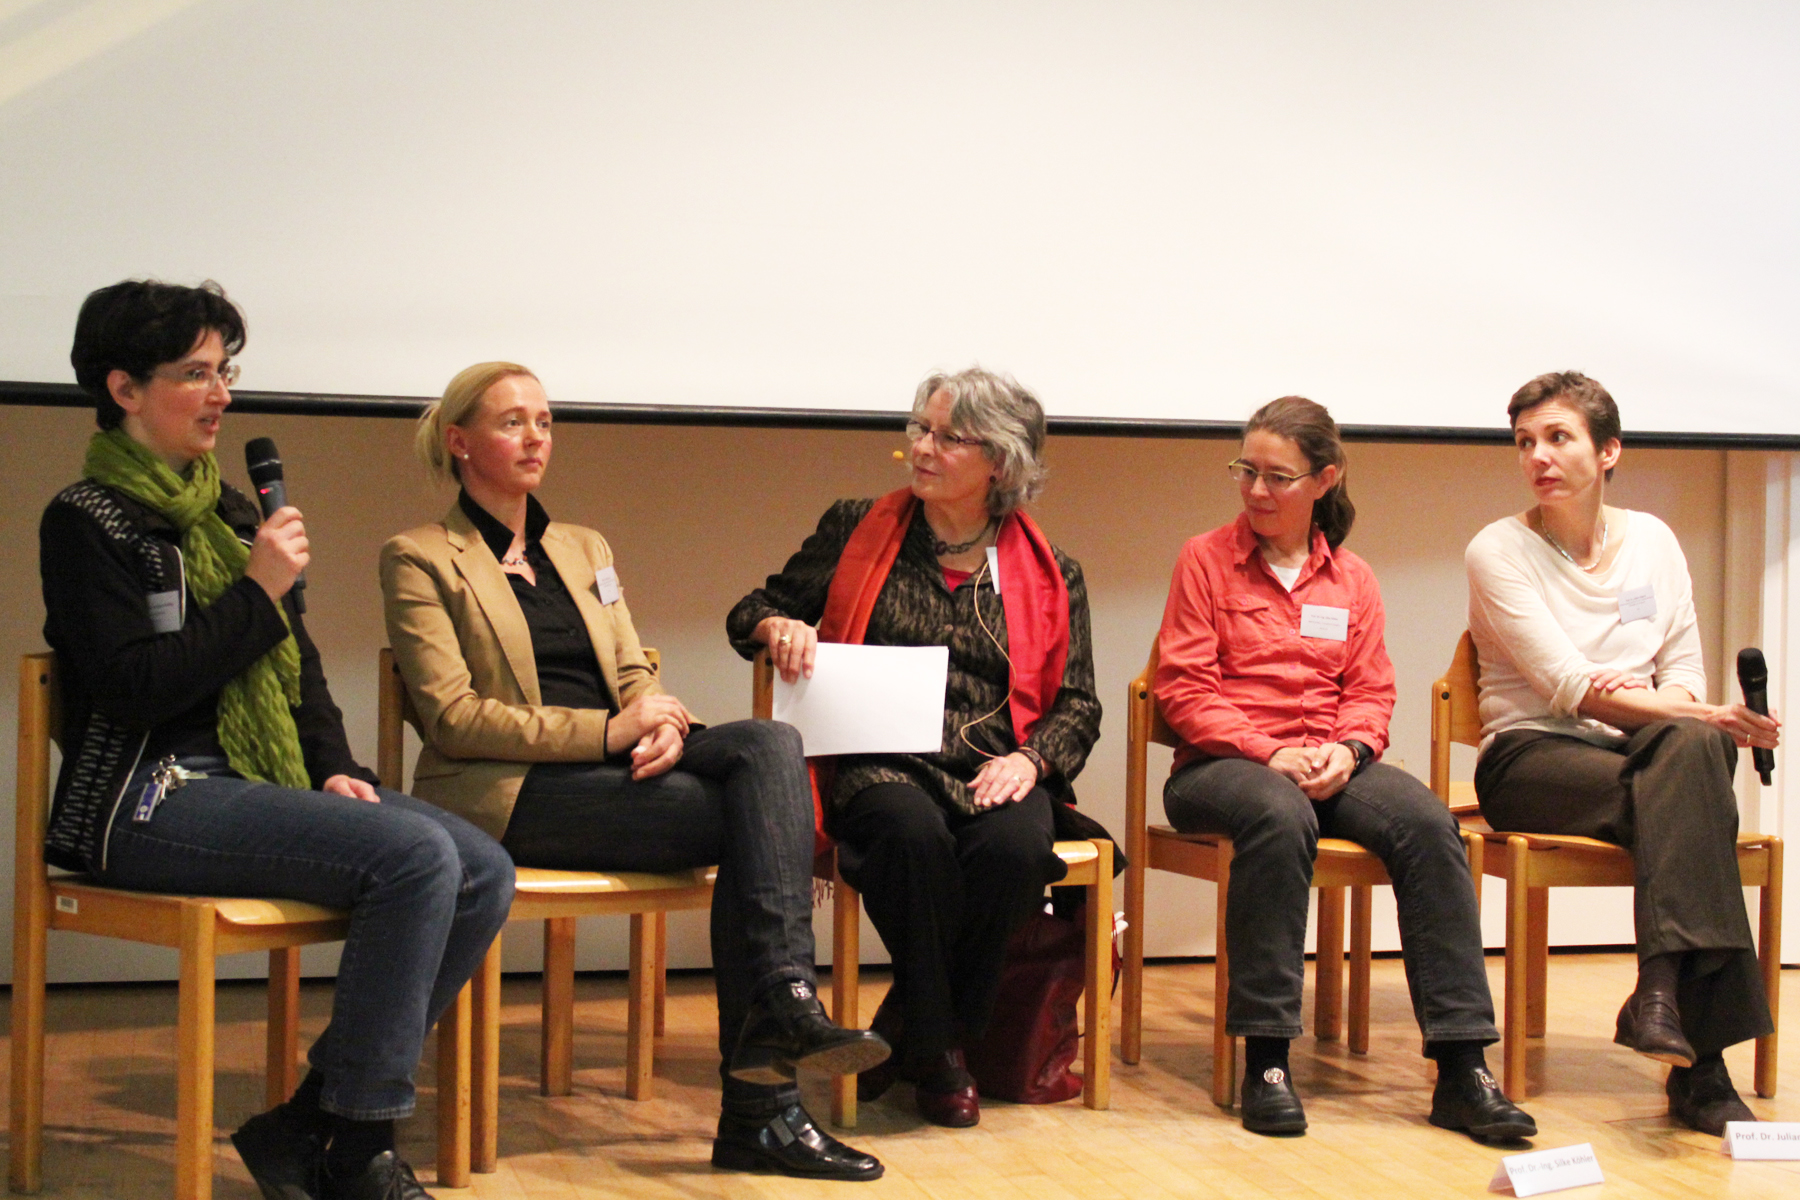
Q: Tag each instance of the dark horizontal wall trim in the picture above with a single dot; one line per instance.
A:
(67, 395)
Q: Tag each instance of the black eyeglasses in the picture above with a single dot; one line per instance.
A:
(918, 431)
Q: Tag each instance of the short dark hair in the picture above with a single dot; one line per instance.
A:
(1584, 395)
(1309, 426)
(139, 324)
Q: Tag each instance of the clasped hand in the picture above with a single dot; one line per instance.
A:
(653, 726)
(1318, 771)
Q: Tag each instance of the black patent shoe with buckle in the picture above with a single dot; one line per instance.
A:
(1468, 1099)
(1270, 1104)
(786, 1030)
(789, 1144)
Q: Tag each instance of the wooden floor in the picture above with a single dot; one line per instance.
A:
(110, 1102)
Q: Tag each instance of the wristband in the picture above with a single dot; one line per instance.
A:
(1037, 762)
(1360, 752)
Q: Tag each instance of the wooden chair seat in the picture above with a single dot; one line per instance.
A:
(1533, 863)
(558, 899)
(199, 928)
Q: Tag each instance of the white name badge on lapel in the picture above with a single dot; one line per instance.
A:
(165, 611)
(607, 581)
(993, 555)
(1637, 604)
(1324, 621)
(1543, 1171)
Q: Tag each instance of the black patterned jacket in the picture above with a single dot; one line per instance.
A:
(915, 608)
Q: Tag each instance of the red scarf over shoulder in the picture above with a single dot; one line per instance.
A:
(1032, 591)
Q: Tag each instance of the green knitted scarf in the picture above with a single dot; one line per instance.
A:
(256, 719)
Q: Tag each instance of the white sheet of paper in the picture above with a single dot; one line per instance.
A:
(1762, 1139)
(868, 700)
(1547, 1171)
(1325, 621)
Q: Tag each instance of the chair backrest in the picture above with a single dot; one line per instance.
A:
(1143, 725)
(394, 711)
(1455, 712)
(40, 723)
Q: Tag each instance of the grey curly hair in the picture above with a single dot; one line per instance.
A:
(1007, 418)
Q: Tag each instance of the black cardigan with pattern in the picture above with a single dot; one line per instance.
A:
(916, 608)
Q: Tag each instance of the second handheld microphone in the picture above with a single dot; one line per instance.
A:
(264, 465)
(1753, 677)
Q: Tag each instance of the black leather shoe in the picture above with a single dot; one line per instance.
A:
(1270, 1104)
(1702, 1097)
(789, 1144)
(283, 1156)
(1651, 1024)
(787, 1030)
(1468, 1099)
(874, 1083)
(387, 1177)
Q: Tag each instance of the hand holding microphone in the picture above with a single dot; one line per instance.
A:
(1753, 678)
(279, 555)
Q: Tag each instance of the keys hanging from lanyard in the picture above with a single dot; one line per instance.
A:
(165, 779)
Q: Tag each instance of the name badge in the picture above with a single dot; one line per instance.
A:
(993, 553)
(1762, 1139)
(606, 580)
(165, 611)
(1324, 621)
(1637, 604)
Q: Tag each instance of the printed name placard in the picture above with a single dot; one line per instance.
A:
(1543, 1171)
(1762, 1139)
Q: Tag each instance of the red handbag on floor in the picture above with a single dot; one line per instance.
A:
(1033, 1037)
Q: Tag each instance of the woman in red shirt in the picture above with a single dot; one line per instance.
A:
(1274, 674)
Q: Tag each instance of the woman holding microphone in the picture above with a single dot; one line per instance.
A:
(1593, 724)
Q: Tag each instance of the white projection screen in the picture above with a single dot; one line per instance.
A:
(1150, 213)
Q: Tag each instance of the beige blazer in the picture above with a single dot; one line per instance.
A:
(465, 653)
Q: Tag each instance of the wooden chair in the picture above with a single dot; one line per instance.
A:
(1090, 867)
(201, 928)
(1533, 863)
(558, 899)
(1340, 864)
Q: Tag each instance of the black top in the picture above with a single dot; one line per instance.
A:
(568, 673)
(112, 660)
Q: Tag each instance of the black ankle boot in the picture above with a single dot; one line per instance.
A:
(786, 1029)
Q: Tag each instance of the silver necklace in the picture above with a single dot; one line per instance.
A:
(1605, 528)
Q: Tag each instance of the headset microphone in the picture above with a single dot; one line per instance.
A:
(264, 464)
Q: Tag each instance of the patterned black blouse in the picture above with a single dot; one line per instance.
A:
(916, 608)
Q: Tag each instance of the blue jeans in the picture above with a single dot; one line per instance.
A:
(426, 890)
(740, 798)
(1275, 832)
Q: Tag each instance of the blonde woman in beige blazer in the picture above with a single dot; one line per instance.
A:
(544, 725)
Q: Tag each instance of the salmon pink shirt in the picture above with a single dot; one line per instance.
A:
(1238, 679)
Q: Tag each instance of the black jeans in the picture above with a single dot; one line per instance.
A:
(946, 891)
(1666, 796)
(1275, 831)
(740, 798)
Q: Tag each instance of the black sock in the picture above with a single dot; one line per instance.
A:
(1660, 974)
(303, 1106)
(1261, 1053)
(354, 1143)
(1456, 1055)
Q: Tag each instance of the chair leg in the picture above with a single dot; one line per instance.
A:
(1537, 964)
(1362, 920)
(662, 972)
(1328, 967)
(1131, 992)
(194, 1054)
(453, 1116)
(25, 1170)
(282, 1074)
(484, 1066)
(1096, 1063)
(640, 1011)
(558, 1067)
(1512, 1037)
(1769, 946)
(846, 971)
(1224, 1081)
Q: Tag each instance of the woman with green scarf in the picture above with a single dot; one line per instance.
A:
(204, 754)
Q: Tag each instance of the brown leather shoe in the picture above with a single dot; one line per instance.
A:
(1650, 1024)
(945, 1092)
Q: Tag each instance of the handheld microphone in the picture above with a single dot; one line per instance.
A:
(264, 464)
(1753, 678)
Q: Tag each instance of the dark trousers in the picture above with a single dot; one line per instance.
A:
(740, 798)
(945, 891)
(1275, 833)
(1666, 797)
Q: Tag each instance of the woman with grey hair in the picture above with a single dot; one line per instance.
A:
(951, 850)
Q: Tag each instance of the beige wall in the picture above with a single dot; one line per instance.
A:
(697, 516)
